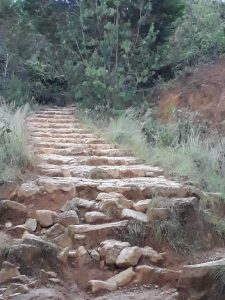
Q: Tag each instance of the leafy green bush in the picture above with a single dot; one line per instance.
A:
(13, 153)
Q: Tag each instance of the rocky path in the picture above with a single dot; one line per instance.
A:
(81, 219)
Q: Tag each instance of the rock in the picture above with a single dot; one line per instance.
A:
(75, 203)
(55, 231)
(18, 288)
(129, 256)
(45, 217)
(8, 224)
(28, 190)
(17, 231)
(81, 251)
(24, 253)
(111, 249)
(152, 255)
(11, 211)
(8, 271)
(98, 286)
(154, 275)
(120, 198)
(86, 228)
(112, 204)
(31, 224)
(142, 205)
(63, 240)
(72, 254)
(95, 216)
(123, 278)
(98, 173)
(158, 214)
(136, 215)
(67, 218)
(63, 255)
(198, 281)
(79, 237)
(111, 207)
(55, 281)
(95, 255)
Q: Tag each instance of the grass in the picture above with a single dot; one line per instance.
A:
(181, 147)
(218, 278)
(13, 152)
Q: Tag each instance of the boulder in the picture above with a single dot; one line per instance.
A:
(95, 216)
(12, 211)
(45, 217)
(129, 256)
(136, 215)
(67, 218)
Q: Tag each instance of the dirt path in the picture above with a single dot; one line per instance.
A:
(87, 208)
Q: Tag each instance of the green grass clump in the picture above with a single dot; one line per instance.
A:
(13, 153)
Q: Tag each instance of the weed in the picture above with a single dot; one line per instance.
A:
(13, 152)
(135, 233)
(218, 277)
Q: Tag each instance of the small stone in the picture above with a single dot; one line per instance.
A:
(79, 237)
(72, 254)
(123, 278)
(81, 251)
(8, 271)
(95, 216)
(63, 255)
(31, 224)
(45, 217)
(102, 286)
(55, 280)
(8, 224)
(67, 218)
(152, 255)
(129, 256)
(136, 215)
(95, 255)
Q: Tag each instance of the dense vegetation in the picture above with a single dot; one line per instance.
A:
(109, 53)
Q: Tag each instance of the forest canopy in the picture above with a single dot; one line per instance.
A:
(109, 53)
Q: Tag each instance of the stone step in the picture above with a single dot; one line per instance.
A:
(57, 136)
(52, 132)
(102, 172)
(39, 119)
(70, 142)
(96, 154)
(131, 188)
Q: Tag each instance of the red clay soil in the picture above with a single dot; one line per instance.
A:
(202, 91)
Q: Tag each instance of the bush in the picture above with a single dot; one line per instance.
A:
(13, 153)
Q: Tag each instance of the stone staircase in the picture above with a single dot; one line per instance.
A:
(84, 192)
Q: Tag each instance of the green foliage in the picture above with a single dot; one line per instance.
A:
(199, 35)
